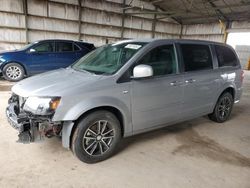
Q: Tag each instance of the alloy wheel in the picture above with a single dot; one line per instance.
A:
(224, 107)
(13, 72)
(98, 138)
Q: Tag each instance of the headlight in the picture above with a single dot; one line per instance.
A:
(1, 60)
(41, 105)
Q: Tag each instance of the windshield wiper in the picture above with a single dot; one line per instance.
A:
(83, 70)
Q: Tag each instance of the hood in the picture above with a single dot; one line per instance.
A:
(54, 83)
(9, 52)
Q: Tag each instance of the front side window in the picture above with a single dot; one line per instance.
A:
(44, 47)
(161, 59)
(196, 57)
(108, 59)
(64, 47)
(225, 56)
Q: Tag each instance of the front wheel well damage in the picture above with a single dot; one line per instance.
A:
(111, 109)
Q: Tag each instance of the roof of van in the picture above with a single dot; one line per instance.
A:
(171, 40)
(174, 41)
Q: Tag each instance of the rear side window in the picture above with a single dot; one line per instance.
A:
(89, 46)
(64, 47)
(225, 56)
(76, 48)
(196, 57)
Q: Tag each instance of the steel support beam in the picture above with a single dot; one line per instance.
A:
(123, 18)
(181, 33)
(225, 26)
(25, 12)
(79, 19)
(154, 24)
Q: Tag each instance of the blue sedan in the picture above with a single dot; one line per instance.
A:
(41, 56)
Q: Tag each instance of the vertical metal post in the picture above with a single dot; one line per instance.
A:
(154, 24)
(181, 33)
(224, 27)
(228, 25)
(47, 6)
(79, 19)
(123, 18)
(25, 11)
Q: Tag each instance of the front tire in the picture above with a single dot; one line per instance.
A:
(96, 137)
(223, 108)
(13, 72)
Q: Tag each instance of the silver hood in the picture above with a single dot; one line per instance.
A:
(54, 83)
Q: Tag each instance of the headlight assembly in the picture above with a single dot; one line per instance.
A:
(41, 105)
(1, 59)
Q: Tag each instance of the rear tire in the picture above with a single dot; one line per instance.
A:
(96, 137)
(223, 108)
(13, 72)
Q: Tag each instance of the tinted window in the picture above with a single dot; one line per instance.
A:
(44, 47)
(76, 48)
(64, 47)
(196, 57)
(161, 59)
(226, 56)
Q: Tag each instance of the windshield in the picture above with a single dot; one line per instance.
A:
(27, 46)
(108, 59)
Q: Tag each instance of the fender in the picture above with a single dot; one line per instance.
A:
(82, 107)
(223, 88)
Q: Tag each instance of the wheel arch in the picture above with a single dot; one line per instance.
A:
(230, 90)
(23, 66)
(111, 109)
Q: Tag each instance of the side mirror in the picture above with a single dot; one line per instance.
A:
(142, 71)
(32, 50)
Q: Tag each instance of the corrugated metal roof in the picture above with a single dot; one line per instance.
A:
(202, 11)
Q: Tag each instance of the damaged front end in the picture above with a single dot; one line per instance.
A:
(32, 117)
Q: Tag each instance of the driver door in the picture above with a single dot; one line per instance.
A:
(43, 57)
(157, 100)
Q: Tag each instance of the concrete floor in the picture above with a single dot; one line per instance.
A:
(197, 153)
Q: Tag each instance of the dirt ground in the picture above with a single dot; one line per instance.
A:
(197, 153)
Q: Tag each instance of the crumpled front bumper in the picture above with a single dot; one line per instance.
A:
(31, 128)
(20, 123)
(17, 122)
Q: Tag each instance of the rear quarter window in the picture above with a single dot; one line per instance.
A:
(226, 56)
(64, 47)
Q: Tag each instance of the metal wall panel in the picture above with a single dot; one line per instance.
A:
(211, 32)
(37, 7)
(11, 5)
(12, 35)
(11, 20)
(100, 22)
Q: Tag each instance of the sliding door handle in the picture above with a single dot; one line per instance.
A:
(174, 83)
(190, 81)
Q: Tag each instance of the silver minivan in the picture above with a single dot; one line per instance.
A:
(123, 89)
